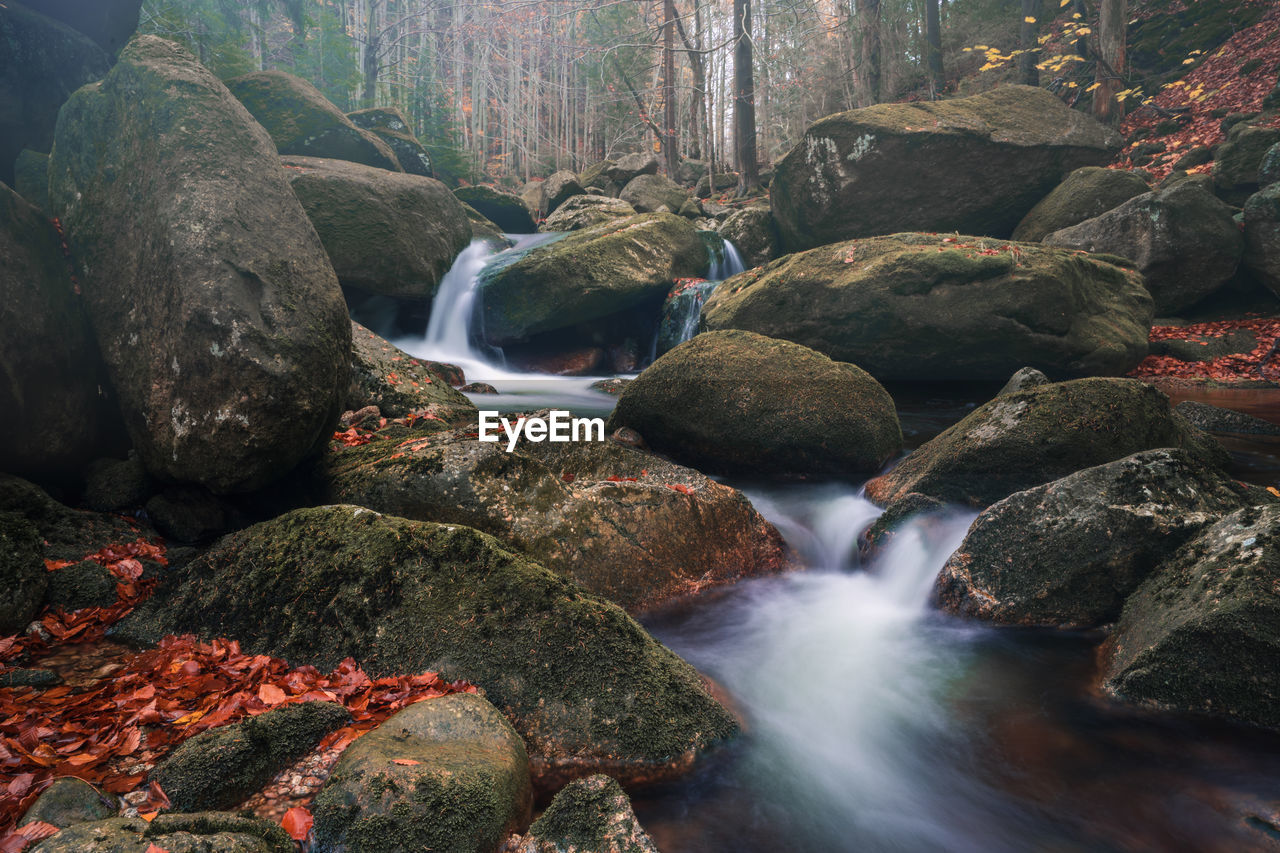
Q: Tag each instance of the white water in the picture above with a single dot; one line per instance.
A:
(682, 313)
(728, 265)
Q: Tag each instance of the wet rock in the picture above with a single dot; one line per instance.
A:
(972, 165)
(390, 125)
(1024, 379)
(478, 388)
(631, 166)
(754, 233)
(559, 188)
(1184, 241)
(386, 376)
(67, 534)
(738, 402)
(583, 361)
(189, 514)
(83, 584)
(23, 579)
(1083, 194)
(1262, 237)
(628, 437)
(613, 386)
(1207, 348)
(585, 211)
(1217, 419)
(444, 774)
(229, 354)
(1268, 170)
(304, 123)
(1237, 161)
(1202, 634)
(68, 801)
(931, 307)
(113, 485)
(205, 832)
(385, 232)
(38, 678)
(1070, 552)
(1021, 440)
(483, 228)
(582, 683)
(897, 515)
(510, 212)
(651, 193)
(221, 767)
(591, 815)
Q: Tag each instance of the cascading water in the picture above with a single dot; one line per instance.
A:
(683, 309)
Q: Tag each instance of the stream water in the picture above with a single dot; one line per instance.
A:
(875, 723)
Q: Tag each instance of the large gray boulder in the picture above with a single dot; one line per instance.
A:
(389, 233)
(630, 166)
(753, 233)
(559, 188)
(1262, 237)
(23, 579)
(738, 402)
(211, 298)
(109, 23)
(591, 815)
(214, 832)
(929, 307)
(386, 376)
(585, 211)
(1183, 240)
(653, 193)
(972, 165)
(1238, 161)
(31, 178)
(390, 125)
(1083, 194)
(509, 211)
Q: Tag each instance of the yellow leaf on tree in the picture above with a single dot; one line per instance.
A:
(1028, 20)
(1094, 86)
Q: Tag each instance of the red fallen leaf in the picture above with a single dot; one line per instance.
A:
(54, 565)
(38, 830)
(271, 695)
(155, 848)
(14, 842)
(157, 796)
(129, 569)
(21, 784)
(568, 478)
(405, 762)
(680, 487)
(297, 822)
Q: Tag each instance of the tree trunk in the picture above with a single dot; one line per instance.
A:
(744, 102)
(869, 63)
(1028, 41)
(670, 149)
(933, 42)
(1112, 23)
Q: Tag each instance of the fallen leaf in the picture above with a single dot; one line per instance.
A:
(297, 822)
(405, 762)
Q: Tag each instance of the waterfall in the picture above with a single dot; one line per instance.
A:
(682, 310)
(727, 265)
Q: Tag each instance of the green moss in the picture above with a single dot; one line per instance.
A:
(22, 576)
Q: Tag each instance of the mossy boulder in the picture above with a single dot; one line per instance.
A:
(1262, 237)
(68, 801)
(1203, 634)
(389, 233)
(509, 211)
(212, 301)
(596, 175)
(115, 485)
(972, 165)
(1083, 194)
(484, 228)
(31, 178)
(631, 166)
(303, 122)
(1070, 552)
(589, 274)
(582, 683)
(51, 376)
(1268, 170)
(390, 125)
(585, 211)
(202, 832)
(559, 188)
(67, 534)
(1238, 161)
(651, 193)
(591, 815)
(624, 524)
(224, 766)
(929, 307)
(1021, 440)
(444, 774)
(753, 233)
(83, 584)
(738, 402)
(1217, 419)
(23, 579)
(1184, 241)
(386, 376)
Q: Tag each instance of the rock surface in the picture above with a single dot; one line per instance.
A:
(651, 193)
(631, 166)
(31, 178)
(109, 23)
(753, 233)
(929, 307)
(1262, 237)
(586, 211)
(203, 832)
(559, 188)
(591, 815)
(1237, 162)
(507, 210)
(386, 376)
(211, 298)
(23, 579)
(972, 165)
(390, 125)
(1218, 419)
(1083, 194)
(68, 801)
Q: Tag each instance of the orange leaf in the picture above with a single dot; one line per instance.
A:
(38, 830)
(406, 762)
(155, 848)
(680, 487)
(271, 695)
(297, 822)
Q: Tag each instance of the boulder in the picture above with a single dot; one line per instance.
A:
(591, 815)
(1262, 237)
(631, 166)
(510, 212)
(582, 683)
(223, 766)
(651, 193)
(389, 233)
(186, 513)
(1022, 440)
(1217, 419)
(68, 801)
(1203, 634)
(723, 181)
(303, 122)
(215, 832)
(109, 23)
(559, 188)
(1027, 377)
(212, 300)
(42, 63)
(585, 211)
(589, 274)
(116, 485)
(66, 534)
(929, 307)
(1184, 241)
(31, 178)
(738, 402)
(596, 175)
(23, 579)
(444, 774)
(56, 418)
(1070, 552)
(1269, 169)
(484, 228)
(753, 233)
(1083, 194)
(390, 125)
(1238, 161)
(87, 583)
(972, 165)
(385, 376)
(657, 531)
(535, 200)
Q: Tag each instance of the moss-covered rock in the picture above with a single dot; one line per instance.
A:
(1184, 241)
(972, 165)
(582, 683)
(390, 125)
(1262, 237)
(622, 523)
(189, 514)
(221, 767)
(586, 211)
(929, 307)
(204, 832)
(509, 211)
(1238, 161)
(1083, 194)
(31, 178)
(211, 298)
(651, 193)
(83, 584)
(1203, 634)
(1268, 170)
(68, 801)
(591, 815)
(738, 402)
(386, 376)
(631, 166)
(303, 122)
(484, 228)
(589, 274)
(114, 485)
(753, 233)
(1021, 440)
(22, 576)
(559, 188)
(1070, 552)
(67, 534)
(445, 774)
(390, 233)
(109, 23)
(1217, 419)
(56, 416)
(596, 175)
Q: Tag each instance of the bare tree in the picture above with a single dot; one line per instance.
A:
(933, 44)
(1112, 25)
(869, 64)
(744, 100)
(1029, 43)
